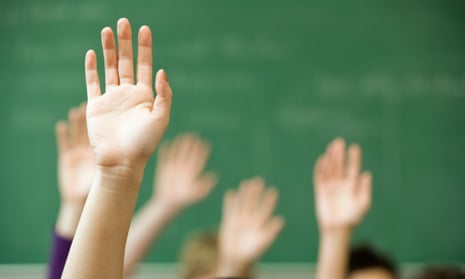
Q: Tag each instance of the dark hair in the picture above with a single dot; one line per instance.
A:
(441, 272)
(365, 257)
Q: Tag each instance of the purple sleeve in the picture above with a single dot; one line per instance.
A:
(58, 257)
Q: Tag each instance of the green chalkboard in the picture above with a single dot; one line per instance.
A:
(269, 83)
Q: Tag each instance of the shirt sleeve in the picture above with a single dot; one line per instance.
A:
(60, 250)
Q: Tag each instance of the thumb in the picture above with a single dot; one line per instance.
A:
(162, 103)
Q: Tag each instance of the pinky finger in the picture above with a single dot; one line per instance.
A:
(61, 132)
(365, 189)
(92, 80)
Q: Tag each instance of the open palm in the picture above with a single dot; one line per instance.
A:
(248, 226)
(343, 195)
(180, 180)
(76, 163)
(127, 122)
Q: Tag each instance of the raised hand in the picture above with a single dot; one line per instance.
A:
(343, 194)
(179, 179)
(127, 122)
(76, 163)
(248, 227)
(179, 183)
(125, 125)
(76, 169)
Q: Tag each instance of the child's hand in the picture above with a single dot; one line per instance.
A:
(126, 123)
(76, 163)
(76, 169)
(343, 195)
(180, 181)
(248, 227)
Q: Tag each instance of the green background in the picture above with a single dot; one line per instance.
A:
(269, 84)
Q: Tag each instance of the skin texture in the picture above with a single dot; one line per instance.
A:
(248, 227)
(342, 198)
(125, 125)
(76, 169)
(180, 182)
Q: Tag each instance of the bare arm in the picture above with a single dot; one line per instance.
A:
(248, 228)
(125, 126)
(76, 167)
(343, 196)
(179, 183)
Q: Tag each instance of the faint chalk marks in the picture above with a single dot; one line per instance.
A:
(240, 47)
(215, 120)
(213, 83)
(325, 120)
(31, 120)
(53, 12)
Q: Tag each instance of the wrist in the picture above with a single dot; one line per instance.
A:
(119, 178)
(335, 239)
(336, 230)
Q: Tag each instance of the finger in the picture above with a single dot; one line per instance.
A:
(92, 81)
(73, 120)
(206, 183)
(125, 62)
(228, 204)
(325, 167)
(173, 150)
(184, 148)
(199, 155)
(253, 196)
(61, 134)
(242, 193)
(353, 168)
(144, 56)
(268, 204)
(110, 58)
(272, 228)
(317, 172)
(162, 103)
(163, 152)
(364, 191)
(338, 157)
(329, 160)
(162, 167)
(80, 132)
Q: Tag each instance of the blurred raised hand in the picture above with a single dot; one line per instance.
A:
(342, 198)
(343, 193)
(180, 181)
(76, 169)
(248, 227)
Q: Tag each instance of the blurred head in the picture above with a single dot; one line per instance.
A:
(441, 272)
(367, 263)
(199, 256)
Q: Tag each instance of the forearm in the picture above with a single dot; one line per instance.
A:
(98, 247)
(145, 229)
(333, 254)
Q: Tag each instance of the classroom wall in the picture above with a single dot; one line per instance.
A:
(268, 83)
